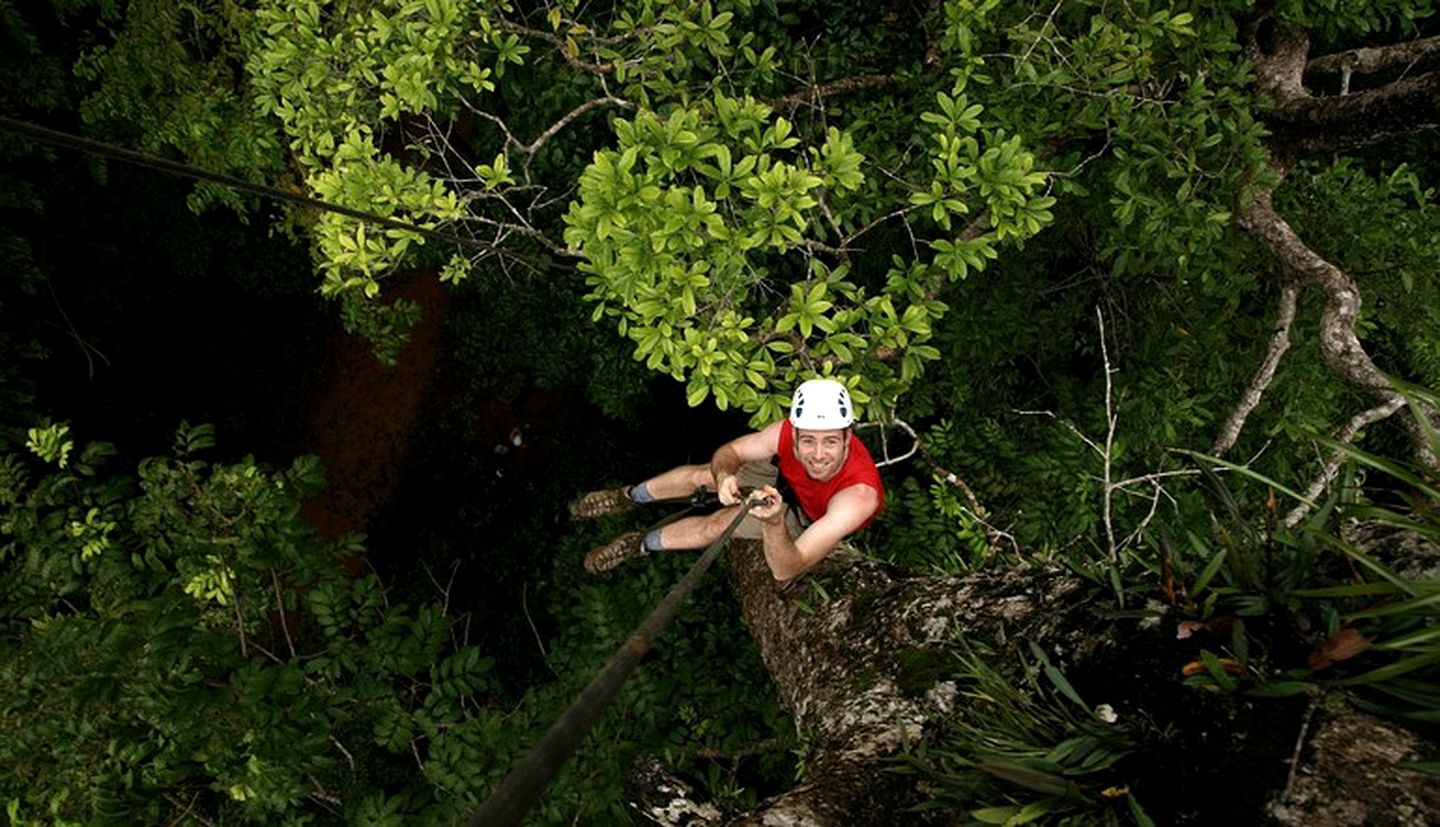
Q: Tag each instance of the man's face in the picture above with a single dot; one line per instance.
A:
(821, 452)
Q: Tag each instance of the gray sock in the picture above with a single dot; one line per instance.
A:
(652, 541)
(640, 494)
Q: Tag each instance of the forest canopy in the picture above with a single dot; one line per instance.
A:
(1150, 288)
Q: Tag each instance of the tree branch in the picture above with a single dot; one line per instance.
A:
(1340, 345)
(1307, 126)
(561, 44)
(1302, 125)
(280, 606)
(609, 100)
(1279, 343)
(815, 93)
(1422, 54)
(995, 535)
(1332, 466)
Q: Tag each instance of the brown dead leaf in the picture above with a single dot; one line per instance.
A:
(1343, 645)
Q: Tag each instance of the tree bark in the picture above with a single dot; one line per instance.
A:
(834, 640)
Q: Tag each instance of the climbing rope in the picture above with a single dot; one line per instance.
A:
(65, 139)
(528, 779)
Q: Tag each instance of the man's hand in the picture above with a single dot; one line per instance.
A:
(728, 490)
(770, 508)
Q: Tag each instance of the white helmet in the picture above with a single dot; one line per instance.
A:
(821, 405)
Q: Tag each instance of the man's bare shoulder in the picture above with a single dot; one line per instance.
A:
(758, 445)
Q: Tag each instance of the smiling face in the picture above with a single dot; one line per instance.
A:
(822, 452)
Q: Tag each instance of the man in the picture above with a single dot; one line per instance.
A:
(828, 469)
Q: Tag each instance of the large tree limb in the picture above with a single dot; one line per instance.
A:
(1351, 773)
(841, 644)
(1413, 56)
(1315, 126)
(1302, 125)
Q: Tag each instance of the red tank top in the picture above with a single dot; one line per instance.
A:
(814, 495)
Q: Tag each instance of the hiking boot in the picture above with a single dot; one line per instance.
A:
(627, 546)
(600, 503)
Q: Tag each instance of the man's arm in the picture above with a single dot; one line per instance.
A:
(847, 512)
(726, 462)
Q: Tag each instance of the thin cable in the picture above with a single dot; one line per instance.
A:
(65, 139)
(520, 790)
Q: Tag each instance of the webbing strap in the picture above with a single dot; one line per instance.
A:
(529, 778)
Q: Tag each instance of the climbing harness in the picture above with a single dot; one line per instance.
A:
(520, 790)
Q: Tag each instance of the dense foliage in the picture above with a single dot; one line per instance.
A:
(1023, 228)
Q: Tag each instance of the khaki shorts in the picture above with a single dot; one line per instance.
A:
(754, 475)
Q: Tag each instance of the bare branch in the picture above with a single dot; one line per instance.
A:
(545, 656)
(902, 425)
(550, 132)
(1069, 425)
(1279, 343)
(1110, 419)
(848, 240)
(188, 811)
(561, 44)
(349, 759)
(280, 606)
(1332, 466)
(977, 512)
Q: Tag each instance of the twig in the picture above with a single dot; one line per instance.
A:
(816, 93)
(1299, 745)
(609, 100)
(1279, 343)
(757, 748)
(538, 642)
(444, 590)
(1110, 420)
(85, 347)
(902, 425)
(560, 45)
(239, 619)
(188, 811)
(1040, 32)
(1346, 436)
(976, 512)
(1068, 424)
(350, 759)
(280, 604)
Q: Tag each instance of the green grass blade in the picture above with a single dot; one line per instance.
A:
(1412, 639)
(1391, 670)
(1400, 608)
(1352, 590)
(1209, 572)
(1254, 475)
(1379, 568)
